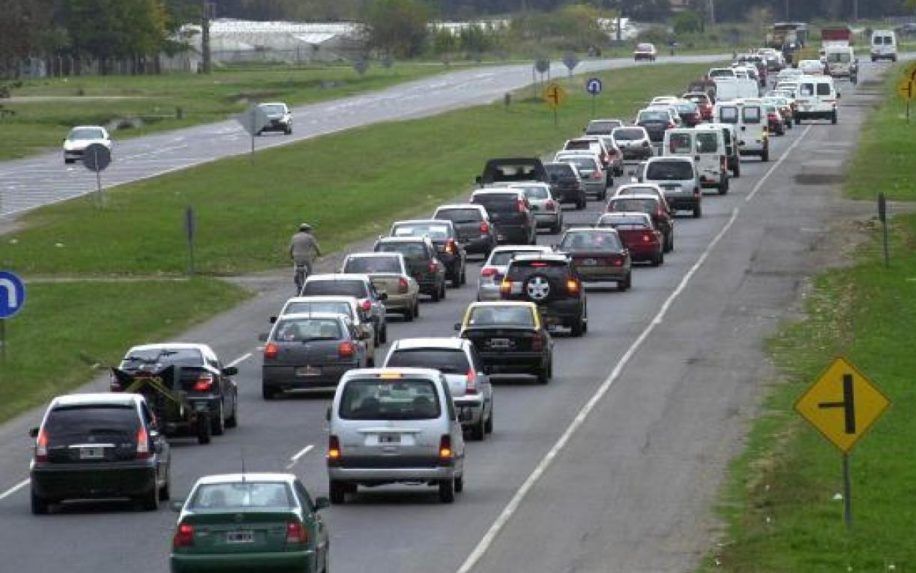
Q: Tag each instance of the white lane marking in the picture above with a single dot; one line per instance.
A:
(14, 489)
(295, 459)
(580, 418)
(776, 165)
(239, 360)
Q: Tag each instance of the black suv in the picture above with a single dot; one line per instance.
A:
(95, 446)
(473, 225)
(551, 282)
(512, 170)
(444, 237)
(511, 213)
(566, 185)
(423, 263)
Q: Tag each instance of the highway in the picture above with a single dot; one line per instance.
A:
(612, 467)
(32, 182)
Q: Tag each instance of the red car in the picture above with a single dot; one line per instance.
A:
(637, 198)
(689, 112)
(703, 103)
(638, 235)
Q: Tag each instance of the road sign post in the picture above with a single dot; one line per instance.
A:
(570, 60)
(97, 158)
(190, 229)
(554, 96)
(593, 86)
(906, 89)
(253, 120)
(882, 215)
(842, 404)
(12, 298)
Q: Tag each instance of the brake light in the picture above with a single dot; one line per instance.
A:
(505, 287)
(204, 383)
(671, 125)
(184, 535)
(271, 350)
(472, 382)
(537, 344)
(573, 286)
(41, 446)
(488, 272)
(366, 305)
(646, 237)
(142, 444)
(538, 265)
(617, 262)
(520, 206)
(484, 228)
(346, 349)
(433, 266)
(450, 247)
(402, 285)
(445, 448)
(334, 453)
(296, 533)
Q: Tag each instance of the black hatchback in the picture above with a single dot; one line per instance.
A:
(552, 283)
(444, 237)
(566, 185)
(511, 213)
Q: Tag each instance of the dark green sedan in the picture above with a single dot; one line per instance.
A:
(250, 522)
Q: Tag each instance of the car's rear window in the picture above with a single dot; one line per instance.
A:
(501, 315)
(669, 171)
(707, 143)
(319, 306)
(496, 201)
(307, 329)
(652, 116)
(240, 495)
(535, 192)
(823, 89)
(644, 47)
(459, 215)
(697, 98)
(410, 249)
(633, 204)
(590, 240)
(390, 399)
(680, 143)
(751, 114)
(582, 163)
(162, 357)
(513, 172)
(728, 115)
(338, 287)
(579, 144)
(622, 222)
(432, 230)
(521, 269)
(389, 264)
(560, 169)
(601, 126)
(448, 361)
(629, 134)
(70, 423)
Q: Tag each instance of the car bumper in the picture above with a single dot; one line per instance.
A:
(560, 312)
(637, 152)
(682, 202)
(512, 362)
(815, 114)
(478, 245)
(710, 179)
(383, 475)
(547, 219)
(512, 235)
(74, 154)
(645, 251)
(285, 377)
(602, 273)
(299, 561)
(93, 481)
(470, 409)
(488, 292)
(567, 195)
(596, 188)
(398, 302)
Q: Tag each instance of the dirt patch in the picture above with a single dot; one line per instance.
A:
(819, 179)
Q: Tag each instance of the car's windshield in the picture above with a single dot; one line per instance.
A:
(240, 495)
(389, 264)
(629, 134)
(410, 250)
(319, 306)
(459, 215)
(86, 133)
(332, 287)
(306, 329)
(669, 171)
(652, 116)
(590, 241)
(390, 399)
(500, 315)
(432, 230)
(445, 360)
(161, 357)
(273, 109)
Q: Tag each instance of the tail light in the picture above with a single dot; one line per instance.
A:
(484, 228)
(647, 237)
(596, 175)
(271, 350)
(204, 382)
(472, 382)
(771, 116)
(41, 446)
(445, 449)
(365, 305)
(296, 533)
(334, 453)
(505, 287)
(537, 344)
(402, 285)
(520, 206)
(617, 261)
(488, 272)
(142, 444)
(550, 205)
(573, 286)
(346, 349)
(432, 266)
(184, 535)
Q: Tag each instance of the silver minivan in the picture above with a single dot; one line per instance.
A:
(678, 179)
(394, 425)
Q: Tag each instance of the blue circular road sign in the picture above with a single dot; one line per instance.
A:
(12, 294)
(593, 86)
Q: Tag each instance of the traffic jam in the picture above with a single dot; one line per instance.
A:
(530, 245)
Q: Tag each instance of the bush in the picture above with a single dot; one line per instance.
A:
(687, 22)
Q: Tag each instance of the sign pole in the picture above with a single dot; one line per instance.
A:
(253, 128)
(847, 492)
(593, 106)
(3, 340)
(882, 215)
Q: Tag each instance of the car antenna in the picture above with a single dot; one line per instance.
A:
(242, 456)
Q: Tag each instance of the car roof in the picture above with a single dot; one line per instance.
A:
(622, 214)
(339, 276)
(422, 221)
(171, 346)
(411, 239)
(591, 230)
(411, 371)
(474, 206)
(558, 258)
(321, 315)
(634, 196)
(517, 248)
(101, 398)
(521, 184)
(235, 478)
(631, 185)
(501, 191)
(492, 303)
(88, 127)
(323, 298)
(670, 158)
(374, 254)
(431, 342)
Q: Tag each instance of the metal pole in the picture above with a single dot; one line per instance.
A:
(593, 106)
(3, 340)
(252, 136)
(98, 179)
(205, 35)
(556, 120)
(887, 254)
(847, 493)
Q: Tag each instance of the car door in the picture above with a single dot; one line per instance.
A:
(454, 425)
(483, 379)
(314, 517)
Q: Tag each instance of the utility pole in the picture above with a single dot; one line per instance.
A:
(712, 11)
(855, 10)
(205, 10)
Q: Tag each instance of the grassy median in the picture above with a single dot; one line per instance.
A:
(781, 501)
(45, 109)
(348, 186)
(99, 319)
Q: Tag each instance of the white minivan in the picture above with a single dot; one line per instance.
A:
(707, 147)
(883, 45)
(750, 121)
(816, 98)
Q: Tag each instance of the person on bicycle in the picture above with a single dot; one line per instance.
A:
(303, 250)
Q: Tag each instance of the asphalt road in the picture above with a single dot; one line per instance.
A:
(29, 183)
(611, 467)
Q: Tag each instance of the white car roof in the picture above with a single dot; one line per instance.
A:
(172, 345)
(322, 298)
(451, 342)
(340, 276)
(474, 206)
(320, 315)
(105, 398)
(236, 478)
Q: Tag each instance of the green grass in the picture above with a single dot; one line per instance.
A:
(886, 160)
(778, 501)
(40, 125)
(349, 186)
(62, 320)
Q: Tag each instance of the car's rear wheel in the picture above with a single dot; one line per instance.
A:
(435, 295)
(150, 500)
(233, 420)
(488, 427)
(723, 185)
(39, 504)
(416, 309)
(464, 275)
(478, 431)
(580, 204)
(626, 283)
(697, 211)
(268, 393)
(543, 375)
(337, 492)
(165, 492)
(442, 292)
(203, 429)
(737, 170)
(459, 484)
(456, 279)
(218, 423)
(447, 490)
(408, 314)
(833, 118)
(383, 335)
(576, 328)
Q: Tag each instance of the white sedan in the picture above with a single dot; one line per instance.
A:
(81, 137)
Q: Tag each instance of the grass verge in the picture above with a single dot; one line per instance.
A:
(780, 500)
(46, 109)
(348, 186)
(61, 320)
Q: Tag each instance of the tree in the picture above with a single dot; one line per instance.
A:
(25, 30)
(110, 29)
(687, 22)
(397, 27)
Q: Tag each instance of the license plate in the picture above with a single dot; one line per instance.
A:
(670, 187)
(499, 343)
(589, 262)
(240, 537)
(92, 453)
(308, 371)
(389, 438)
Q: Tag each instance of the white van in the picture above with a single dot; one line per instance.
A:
(816, 99)
(730, 135)
(726, 89)
(883, 45)
(750, 121)
(841, 61)
(707, 147)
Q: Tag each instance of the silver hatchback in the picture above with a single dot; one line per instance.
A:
(394, 425)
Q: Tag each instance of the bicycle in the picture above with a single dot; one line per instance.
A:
(300, 273)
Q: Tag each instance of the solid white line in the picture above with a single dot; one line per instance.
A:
(295, 459)
(240, 359)
(776, 166)
(14, 489)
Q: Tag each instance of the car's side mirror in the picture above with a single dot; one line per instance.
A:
(230, 371)
(262, 337)
(272, 320)
(176, 505)
(322, 503)
(33, 432)
(457, 327)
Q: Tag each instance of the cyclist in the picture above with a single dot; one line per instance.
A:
(303, 249)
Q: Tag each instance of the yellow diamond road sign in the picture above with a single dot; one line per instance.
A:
(906, 89)
(842, 404)
(554, 95)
